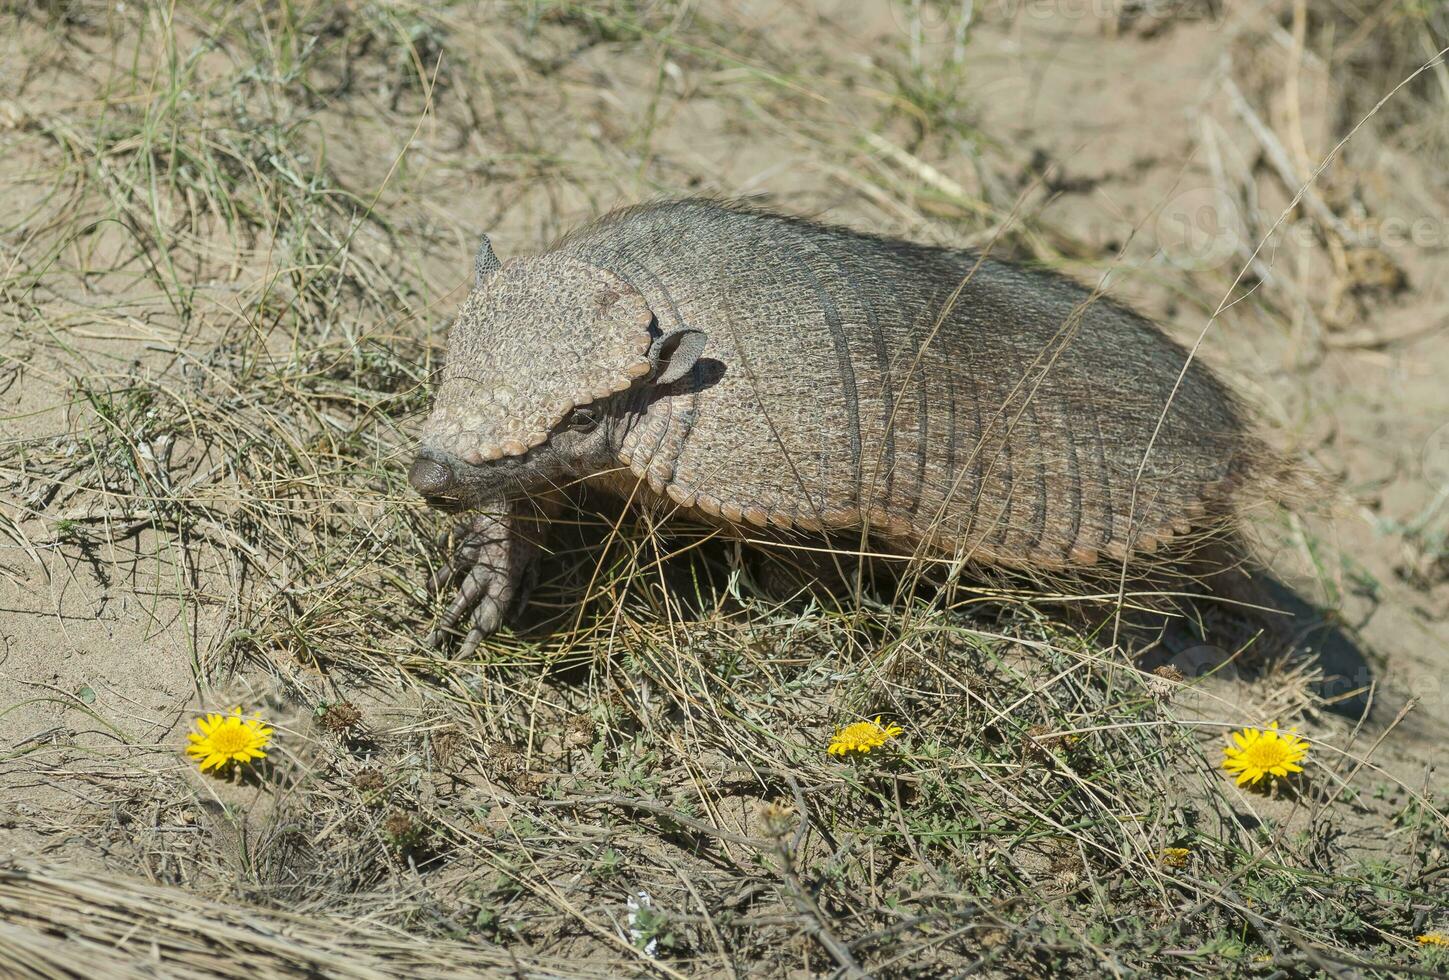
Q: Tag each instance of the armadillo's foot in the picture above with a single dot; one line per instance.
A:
(495, 564)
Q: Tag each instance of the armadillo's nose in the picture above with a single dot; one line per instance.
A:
(429, 477)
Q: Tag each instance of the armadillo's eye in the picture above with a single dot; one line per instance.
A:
(585, 418)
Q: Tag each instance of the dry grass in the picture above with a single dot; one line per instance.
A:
(56, 919)
(237, 230)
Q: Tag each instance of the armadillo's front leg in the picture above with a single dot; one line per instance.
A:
(496, 555)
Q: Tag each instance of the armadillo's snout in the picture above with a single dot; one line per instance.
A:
(429, 477)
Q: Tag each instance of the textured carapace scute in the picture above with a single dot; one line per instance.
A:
(535, 339)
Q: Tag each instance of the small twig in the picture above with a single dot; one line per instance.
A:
(1278, 157)
(658, 810)
(928, 174)
(806, 903)
(1373, 339)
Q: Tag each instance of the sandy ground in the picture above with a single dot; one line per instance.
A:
(1118, 144)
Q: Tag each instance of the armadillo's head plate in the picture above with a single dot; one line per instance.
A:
(535, 339)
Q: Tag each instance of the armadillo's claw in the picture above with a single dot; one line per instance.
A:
(487, 617)
(483, 580)
(495, 565)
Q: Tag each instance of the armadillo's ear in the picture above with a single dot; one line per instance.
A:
(485, 263)
(674, 354)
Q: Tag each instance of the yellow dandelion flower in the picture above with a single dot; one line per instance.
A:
(1264, 752)
(220, 739)
(1432, 939)
(862, 737)
(1174, 857)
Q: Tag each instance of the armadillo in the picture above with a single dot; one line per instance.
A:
(777, 376)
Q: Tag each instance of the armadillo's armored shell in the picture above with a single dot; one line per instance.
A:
(942, 401)
(509, 380)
